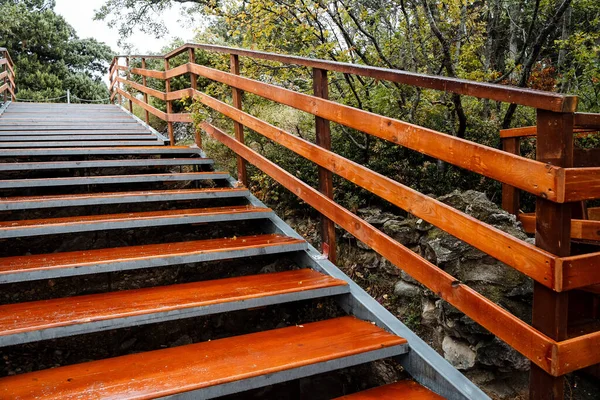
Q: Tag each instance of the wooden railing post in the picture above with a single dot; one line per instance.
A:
(510, 194)
(553, 234)
(128, 77)
(238, 128)
(5, 55)
(323, 139)
(144, 82)
(169, 105)
(118, 84)
(194, 84)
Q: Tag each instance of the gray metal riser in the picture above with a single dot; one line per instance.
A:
(73, 132)
(57, 229)
(17, 137)
(20, 145)
(140, 162)
(101, 180)
(98, 151)
(103, 200)
(125, 265)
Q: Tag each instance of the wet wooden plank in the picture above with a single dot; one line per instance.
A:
(86, 223)
(71, 200)
(185, 368)
(79, 143)
(40, 315)
(113, 150)
(138, 162)
(408, 390)
(79, 259)
(110, 179)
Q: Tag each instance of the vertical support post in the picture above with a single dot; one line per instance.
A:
(68, 96)
(128, 77)
(510, 194)
(118, 84)
(169, 105)
(553, 234)
(194, 84)
(144, 83)
(238, 128)
(5, 55)
(323, 139)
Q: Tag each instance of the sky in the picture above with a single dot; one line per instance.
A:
(80, 14)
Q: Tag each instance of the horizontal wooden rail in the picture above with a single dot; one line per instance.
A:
(184, 117)
(580, 228)
(529, 175)
(526, 97)
(521, 255)
(581, 184)
(587, 120)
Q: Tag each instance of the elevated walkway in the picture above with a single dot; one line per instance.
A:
(72, 172)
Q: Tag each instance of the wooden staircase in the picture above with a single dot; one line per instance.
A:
(72, 172)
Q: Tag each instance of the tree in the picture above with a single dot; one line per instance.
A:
(49, 57)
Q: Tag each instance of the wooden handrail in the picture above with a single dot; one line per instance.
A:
(7, 82)
(556, 272)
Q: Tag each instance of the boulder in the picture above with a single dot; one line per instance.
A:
(458, 353)
(405, 289)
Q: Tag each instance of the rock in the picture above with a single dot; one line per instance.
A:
(404, 289)
(439, 252)
(182, 341)
(126, 345)
(375, 216)
(423, 225)
(406, 277)
(363, 246)
(458, 353)
(500, 355)
(429, 312)
(403, 231)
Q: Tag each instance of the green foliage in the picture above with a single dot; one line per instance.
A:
(49, 57)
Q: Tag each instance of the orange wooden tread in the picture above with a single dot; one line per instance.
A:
(9, 265)
(18, 199)
(409, 390)
(144, 215)
(180, 369)
(47, 314)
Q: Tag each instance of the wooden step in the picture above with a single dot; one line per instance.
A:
(138, 162)
(252, 360)
(115, 150)
(74, 132)
(88, 199)
(46, 266)
(49, 319)
(17, 137)
(131, 220)
(110, 179)
(81, 143)
(409, 390)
